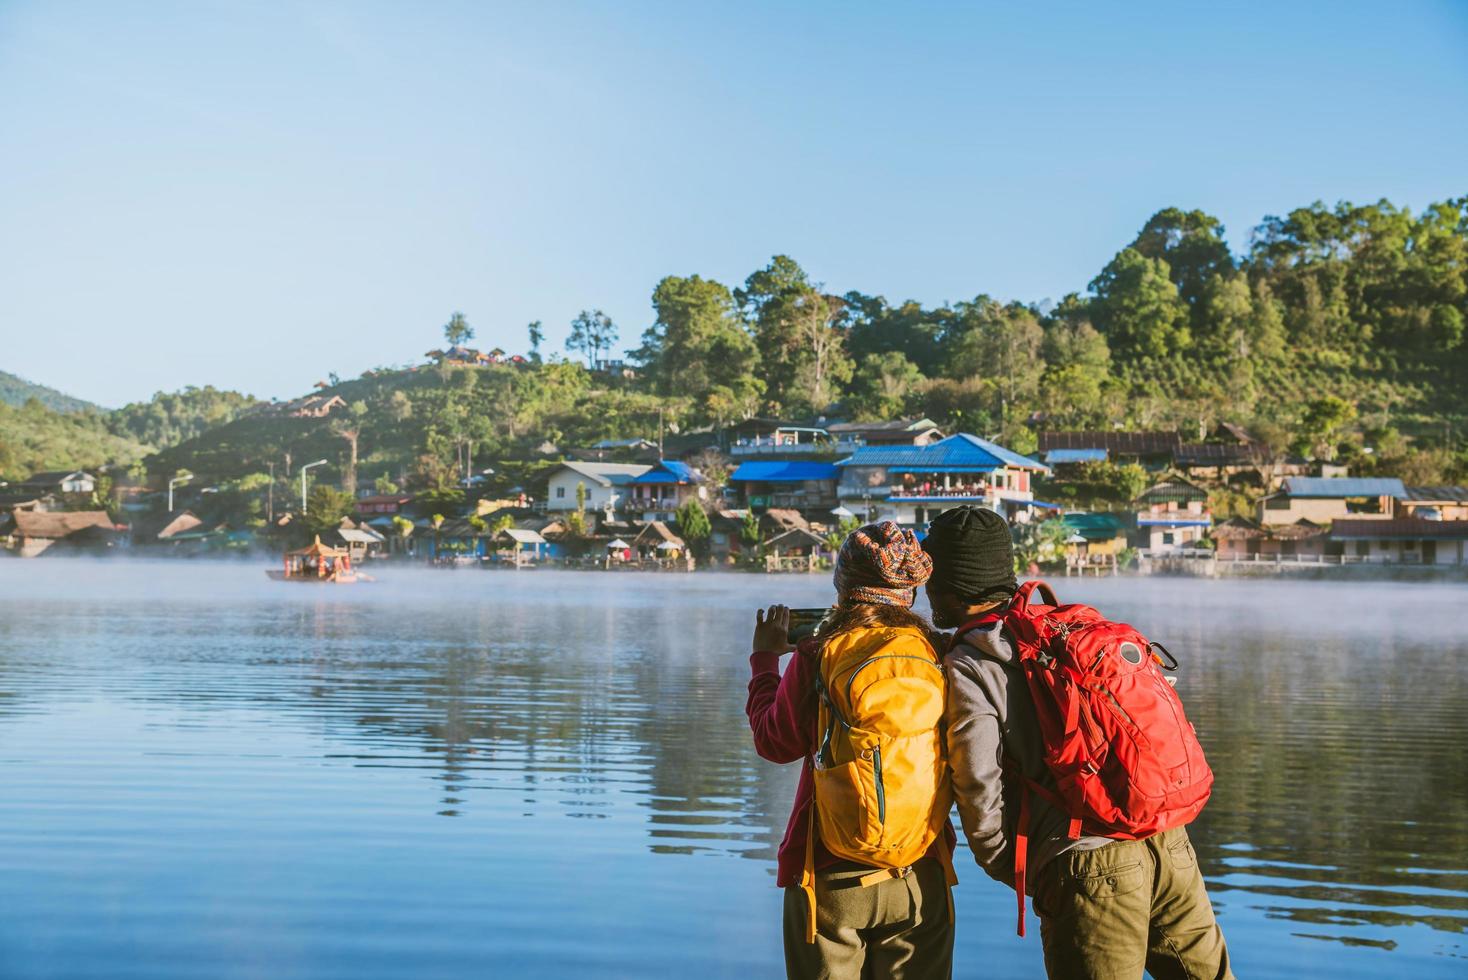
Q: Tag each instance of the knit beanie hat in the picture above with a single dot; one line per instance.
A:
(882, 564)
(973, 554)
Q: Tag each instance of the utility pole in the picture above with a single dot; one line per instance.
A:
(181, 478)
(319, 462)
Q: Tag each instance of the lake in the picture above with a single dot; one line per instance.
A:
(549, 774)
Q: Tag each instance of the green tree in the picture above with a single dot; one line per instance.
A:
(1192, 245)
(698, 348)
(1320, 424)
(457, 331)
(693, 526)
(591, 333)
(798, 331)
(1137, 307)
(999, 344)
(325, 508)
(537, 336)
(883, 385)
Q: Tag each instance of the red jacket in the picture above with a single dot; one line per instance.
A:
(782, 716)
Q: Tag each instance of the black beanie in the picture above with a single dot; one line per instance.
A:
(973, 554)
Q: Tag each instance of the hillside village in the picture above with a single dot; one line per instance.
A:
(1192, 409)
(777, 495)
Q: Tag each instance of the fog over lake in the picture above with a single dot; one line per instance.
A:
(541, 774)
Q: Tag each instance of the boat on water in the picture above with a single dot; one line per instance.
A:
(316, 562)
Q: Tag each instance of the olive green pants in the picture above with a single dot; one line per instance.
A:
(899, 928)
(1108, 913)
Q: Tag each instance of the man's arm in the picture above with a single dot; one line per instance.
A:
(975, 755)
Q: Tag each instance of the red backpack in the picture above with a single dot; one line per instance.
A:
(1126, 762)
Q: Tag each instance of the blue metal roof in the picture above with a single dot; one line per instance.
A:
(1075, 456)
(1344, 486)
(796, 471)
(669, 471)
(962, 450)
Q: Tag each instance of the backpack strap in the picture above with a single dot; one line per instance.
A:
(1021, 853)
(1022, 595)
(808, 873)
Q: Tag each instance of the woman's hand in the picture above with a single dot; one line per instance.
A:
(772, 630)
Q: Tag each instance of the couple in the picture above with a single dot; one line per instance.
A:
(888, 741)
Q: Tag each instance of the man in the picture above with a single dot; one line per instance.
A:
(1107, 908)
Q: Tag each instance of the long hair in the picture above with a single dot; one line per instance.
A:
(867, 615)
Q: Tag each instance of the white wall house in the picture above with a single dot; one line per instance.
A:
(607, 485)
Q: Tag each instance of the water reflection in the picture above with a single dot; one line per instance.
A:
(603, 716)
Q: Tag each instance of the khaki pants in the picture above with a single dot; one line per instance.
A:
(1108, 913)
(899, 928)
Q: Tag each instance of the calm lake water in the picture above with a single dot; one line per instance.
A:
(543, 774)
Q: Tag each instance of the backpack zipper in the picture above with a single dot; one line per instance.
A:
(881, 789)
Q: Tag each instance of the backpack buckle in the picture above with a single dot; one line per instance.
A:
(1090, 768)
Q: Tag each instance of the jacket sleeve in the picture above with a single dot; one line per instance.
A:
(780, 709)
(975, 752)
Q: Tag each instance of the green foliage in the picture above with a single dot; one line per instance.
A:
(1101, 485)
(16, 391)
(749, 532)
(34, 437)
(836, 537)
(1039, 543)
(883, 386)
(591, 333)
(457, 330)
(698, 349)
(325, 508)
(169, 418)
(1138, 308)
(693, 525)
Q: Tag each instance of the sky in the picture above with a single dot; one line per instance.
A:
(252, 195)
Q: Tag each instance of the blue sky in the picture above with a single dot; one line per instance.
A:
(252, 195)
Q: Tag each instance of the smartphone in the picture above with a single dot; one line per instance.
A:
(804, 623)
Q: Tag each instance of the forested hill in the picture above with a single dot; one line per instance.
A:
(1339, 334)
(16, 391)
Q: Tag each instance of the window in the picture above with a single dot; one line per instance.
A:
(560, 493)
(1363, 549)
(1277, 503)
(1167, 537)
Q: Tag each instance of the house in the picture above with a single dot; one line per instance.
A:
(1435, 503)
(656, 540)
(1094, 541)
(315, 406)
(14, 498)
(57, 482)
(608, 485)
(380, 504)
(34, 532)
(1321, 499)
(850, 436)
(361, 541)
(1403, 540)
(796, 484)
(771, 437)
(462, 356)
(778, 520)
(1153, 450)
(1231, 450)
(156, 528)
(795, 549)
(525, 547)
(664, 488)
(1242, 539)
(913, 484)
(726, 535)
(1171, 514)
(453, 538)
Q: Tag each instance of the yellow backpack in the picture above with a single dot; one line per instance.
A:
(882, 791)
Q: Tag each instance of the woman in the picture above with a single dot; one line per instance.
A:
(846, 917)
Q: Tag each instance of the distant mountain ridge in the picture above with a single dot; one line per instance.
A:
(15, 390)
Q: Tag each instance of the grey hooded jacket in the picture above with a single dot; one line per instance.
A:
(990, 717)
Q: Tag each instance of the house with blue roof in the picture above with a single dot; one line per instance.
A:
(1321, 499)
(668, 485)
(808, 486)
(913, 484)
